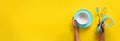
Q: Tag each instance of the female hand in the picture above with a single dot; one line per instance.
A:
(76, 34)
(102, 34)
(74, 24)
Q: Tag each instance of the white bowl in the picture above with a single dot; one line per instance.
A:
(82, 18)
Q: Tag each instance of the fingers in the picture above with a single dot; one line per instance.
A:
(102, 28)
(74, 23)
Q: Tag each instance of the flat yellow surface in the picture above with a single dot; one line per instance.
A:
(50, 20)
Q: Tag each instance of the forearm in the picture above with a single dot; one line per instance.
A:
(76, 35)
(102, 37)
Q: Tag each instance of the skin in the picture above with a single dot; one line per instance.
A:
(76, 34)
(102, 32)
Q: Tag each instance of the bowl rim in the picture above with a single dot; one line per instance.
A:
(89, 18)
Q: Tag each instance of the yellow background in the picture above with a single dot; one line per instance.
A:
(50, 20)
